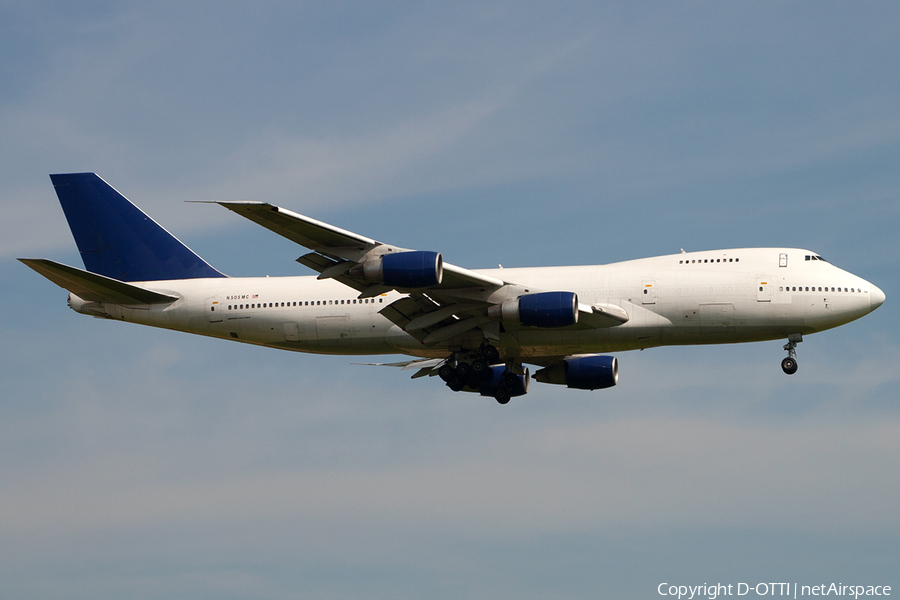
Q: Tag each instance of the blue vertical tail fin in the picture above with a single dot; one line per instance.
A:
(117, 239)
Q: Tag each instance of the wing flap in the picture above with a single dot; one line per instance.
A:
(93, 287)
(426, 367)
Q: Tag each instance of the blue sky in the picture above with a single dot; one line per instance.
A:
(144, 463)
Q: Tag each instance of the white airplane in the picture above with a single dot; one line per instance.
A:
(474, 329)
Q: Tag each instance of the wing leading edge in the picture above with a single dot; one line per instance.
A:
(457, 301)
(342, 248)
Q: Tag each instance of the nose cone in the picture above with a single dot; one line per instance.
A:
(876, 297)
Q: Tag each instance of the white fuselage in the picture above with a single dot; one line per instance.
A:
(715, 297)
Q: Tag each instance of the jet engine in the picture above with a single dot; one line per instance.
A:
(589, 372)
(544, 309)
(416, 269)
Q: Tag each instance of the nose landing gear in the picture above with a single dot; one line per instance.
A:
(789, 364)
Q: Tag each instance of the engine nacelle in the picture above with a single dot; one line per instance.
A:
(544, 309)
(591, 372)
(416, 269)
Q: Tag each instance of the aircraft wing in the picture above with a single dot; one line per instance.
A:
(454, 301)
(341, 248)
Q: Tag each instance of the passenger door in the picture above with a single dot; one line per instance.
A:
(764, 288)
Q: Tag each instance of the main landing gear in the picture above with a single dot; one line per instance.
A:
(789, 364)
(474, 370)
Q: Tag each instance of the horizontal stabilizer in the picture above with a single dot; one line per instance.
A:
(95, 288)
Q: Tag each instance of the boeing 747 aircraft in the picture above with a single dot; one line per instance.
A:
(476, 330)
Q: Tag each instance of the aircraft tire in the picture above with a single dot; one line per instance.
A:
(464, 369)
(445, 372)
(490, 354)
(789, 365)
(455, 382)
(502, 395)
(510, 380)
(480, 369)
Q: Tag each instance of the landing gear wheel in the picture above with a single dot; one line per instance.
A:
(502, 395)
(490, 354)
(510, 380)
(480, 369)
(455, 383)
(789, 365)
(464, 369)
(445, 372)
